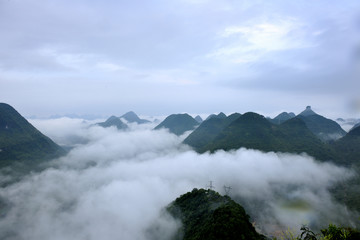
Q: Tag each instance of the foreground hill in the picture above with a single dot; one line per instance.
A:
(20, 142)
(324, 128)
(205, 214)
(178, 123)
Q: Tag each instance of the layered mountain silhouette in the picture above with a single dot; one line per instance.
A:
(208, 131)
(355, 126)
(198, 119)
(20, 142)
(178, 123)
(349, 147)
(132, 117)
(205, 214)
(282, 117)
(324, 128)
(220, 115)
(113, 122)
(254, 131)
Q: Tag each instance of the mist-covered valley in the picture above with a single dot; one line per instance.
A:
(115, 184)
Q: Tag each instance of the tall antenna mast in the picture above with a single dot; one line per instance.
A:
(227, 190)
(211, 186)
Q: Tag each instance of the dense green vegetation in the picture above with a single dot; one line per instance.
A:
(113, 121)
(205, 214)
(178, 123)
(21, 142)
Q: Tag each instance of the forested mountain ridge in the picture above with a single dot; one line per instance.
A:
(22, 142)
(178, 123)
(254, 131)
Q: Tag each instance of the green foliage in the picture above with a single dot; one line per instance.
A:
(178, 123)
(333, 232)
(287, 235)
(307, 234)
(207, 215)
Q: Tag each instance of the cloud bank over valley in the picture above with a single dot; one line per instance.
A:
(115, 184)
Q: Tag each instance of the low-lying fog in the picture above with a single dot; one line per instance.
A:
(114, 185)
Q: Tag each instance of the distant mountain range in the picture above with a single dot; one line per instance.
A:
(252, 130)
(282, 117)
(307, 132)
(326, 129)
(220, 115)
(20, 142)
(208, 131)
(178, 123)
(130, 117)
(349, 123)
(113, 122)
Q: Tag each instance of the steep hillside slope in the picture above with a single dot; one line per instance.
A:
(22, 142)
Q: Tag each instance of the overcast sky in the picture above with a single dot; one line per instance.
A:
(197, 56)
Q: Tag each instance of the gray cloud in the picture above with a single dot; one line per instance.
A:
(116, 185)
(135, 55)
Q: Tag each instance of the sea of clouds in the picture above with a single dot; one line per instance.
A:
(115, 185)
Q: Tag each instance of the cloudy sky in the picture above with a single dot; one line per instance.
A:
(197, 56)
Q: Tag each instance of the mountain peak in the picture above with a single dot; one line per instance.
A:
(220, 115)
(205, 214)
(198, 119)
(307, 112)
(282, 117)
(113, 121)
(22, 142)
(178, 123)
(132, 117)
